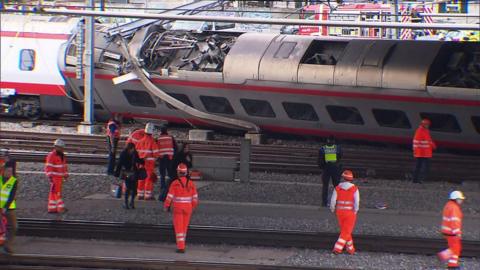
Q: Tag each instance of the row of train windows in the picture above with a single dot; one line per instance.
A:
(304, 111)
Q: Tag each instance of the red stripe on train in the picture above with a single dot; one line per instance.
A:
(315, 132)
(298, 91)
(34, 35)
(35, 88)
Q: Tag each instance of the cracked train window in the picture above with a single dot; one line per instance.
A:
(300, 111)
(27, 60)
(217, 104)
(391, 118)
(345, 115)
(256, 107)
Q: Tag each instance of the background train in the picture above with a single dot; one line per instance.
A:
(374, 90)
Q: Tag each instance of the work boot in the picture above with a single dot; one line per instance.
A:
(336, 252)
(132, 205)
(180, 251)
(63, 211)
(125, 206)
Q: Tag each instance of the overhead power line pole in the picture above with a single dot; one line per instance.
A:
(89, 67)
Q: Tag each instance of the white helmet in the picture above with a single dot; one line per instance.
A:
(454, 195)
(59, 143)
(149, 128)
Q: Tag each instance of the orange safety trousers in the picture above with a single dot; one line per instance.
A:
(346, 221)
(452, 253)
(145, 186)
(55, 202)
(181, 219)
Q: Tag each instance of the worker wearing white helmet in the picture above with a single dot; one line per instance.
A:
(452, 229)
(56, 171)
(148, 150)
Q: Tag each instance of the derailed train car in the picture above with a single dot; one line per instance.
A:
(375, 90)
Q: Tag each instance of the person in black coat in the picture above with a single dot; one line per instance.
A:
(129, 169)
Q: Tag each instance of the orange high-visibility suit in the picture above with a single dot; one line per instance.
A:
(452, 230)
(56, 170)
(423, 145)
(136, 136)
(345, 202)
(183, 197)
(147, 149)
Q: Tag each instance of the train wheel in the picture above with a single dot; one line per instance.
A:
(28, 107)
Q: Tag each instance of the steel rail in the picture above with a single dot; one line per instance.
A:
(394, 25)
(79, 229)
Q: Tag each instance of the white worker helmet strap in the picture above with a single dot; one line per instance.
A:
(59, 143)
(454, 195)
(149, 128)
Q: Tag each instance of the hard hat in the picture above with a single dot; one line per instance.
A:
(454, 195)
(59, 143)
(426, 121)
(149, 128)
(182, 169)
(347, 175)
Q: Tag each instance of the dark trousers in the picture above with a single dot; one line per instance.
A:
(112, 152)
(422, 166)
(164, 168)
(330, 171)
(131, 183)
(11, 228)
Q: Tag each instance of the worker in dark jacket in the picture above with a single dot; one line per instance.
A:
(329, 158)
(8, 190)
(184, 156)
(129, 168)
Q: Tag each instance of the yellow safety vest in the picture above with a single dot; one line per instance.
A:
(330, 153)
(6, 191)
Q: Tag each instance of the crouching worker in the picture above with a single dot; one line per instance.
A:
(183, 198)
(345, 203)
(9, 187)
(129, 169)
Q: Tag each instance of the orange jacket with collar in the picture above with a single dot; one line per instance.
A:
(452, 219)
(423, 145)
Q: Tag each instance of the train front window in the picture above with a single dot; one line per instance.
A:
(139, 98)
(217, 104)
(345, 115)
(27, 60)
(257, 107)
(391, 118)
(300, 111)
(442, 122)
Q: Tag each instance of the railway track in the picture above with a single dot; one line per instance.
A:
(365, 161)
(233, 236)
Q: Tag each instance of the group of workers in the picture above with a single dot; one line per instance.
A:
(345, 199)
(137, 164)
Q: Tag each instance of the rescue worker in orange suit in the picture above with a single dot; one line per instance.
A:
(136, 136)
(329, 160)
(452, 229)
(345, 203)
(56, 171)
(113, 136)
(423, 147)
(183, 197)
(8, 190)
(147, 149)
(167, 146)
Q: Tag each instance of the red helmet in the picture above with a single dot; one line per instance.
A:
(425, 121)
(347, 175)
(182, 169)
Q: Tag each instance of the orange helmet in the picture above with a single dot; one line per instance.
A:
(182, 169)
(425, 121)
(347, 175)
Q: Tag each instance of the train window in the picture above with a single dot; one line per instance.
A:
(321, 52)
(442, 122)
(217, 104)
(139, 98)
(345, 115)
(27, 60)
(257, 107)
(300, 111)
(285, 50)
(391, 118)
(476, 122)
(181, 97)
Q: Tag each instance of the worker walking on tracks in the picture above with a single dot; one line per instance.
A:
(329, 160)
(452, 229)
(56, 171)
(113, 136)
(148, 150)
(345, 203)
(8, 190)
(183, 197)
(423, 147)
(167, 146)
